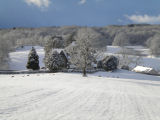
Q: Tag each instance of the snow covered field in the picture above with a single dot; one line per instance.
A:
(122, 95)
(62, 96)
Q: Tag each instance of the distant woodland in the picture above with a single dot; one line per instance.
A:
(61, 37)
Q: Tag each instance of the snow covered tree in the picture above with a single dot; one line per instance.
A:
(129, 56)
(33, 60)
(121, 40)
(54, 61)
(154, 45)
(83, 54)
(52, 42)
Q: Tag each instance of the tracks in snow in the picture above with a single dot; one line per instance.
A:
(91, 98)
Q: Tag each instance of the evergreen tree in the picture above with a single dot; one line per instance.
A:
(110, 63)
(64, 59)
(53, 61)
(33, 60)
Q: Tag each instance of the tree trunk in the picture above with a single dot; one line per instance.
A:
(84, 72)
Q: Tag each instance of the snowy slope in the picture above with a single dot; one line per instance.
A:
(18, 59)
(151, 62)
(63, 96)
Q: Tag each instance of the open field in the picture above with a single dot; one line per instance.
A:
(63, 96)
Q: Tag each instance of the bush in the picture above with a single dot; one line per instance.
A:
(110, 63)
(33, 60)
(52, 61)
(55, 61)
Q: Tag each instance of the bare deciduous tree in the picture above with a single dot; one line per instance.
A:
(121, 40)
(83, 54)
(128, 57)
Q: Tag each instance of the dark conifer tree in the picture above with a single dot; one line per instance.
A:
(33, 60)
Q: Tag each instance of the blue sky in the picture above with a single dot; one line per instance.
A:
(38, 13)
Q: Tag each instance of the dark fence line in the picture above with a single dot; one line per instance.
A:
(22, 72)
(47, 71)
(64, 71)
(155, 74)
(80, 71)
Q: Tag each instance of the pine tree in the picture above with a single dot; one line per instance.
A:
(64, 59)
(33, 60)
(110, 63)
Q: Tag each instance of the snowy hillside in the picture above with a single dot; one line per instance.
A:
(62, 96)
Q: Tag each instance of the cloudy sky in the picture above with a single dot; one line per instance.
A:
(38, 13)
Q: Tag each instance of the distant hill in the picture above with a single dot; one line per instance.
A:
(132, 34)
(137, 34)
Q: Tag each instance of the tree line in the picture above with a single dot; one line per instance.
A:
(81, 55)
(146, 35)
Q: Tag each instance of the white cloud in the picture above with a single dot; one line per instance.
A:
(39, 3)
(81, 2)
(144, 18)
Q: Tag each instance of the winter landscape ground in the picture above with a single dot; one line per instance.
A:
(119, 95)
(63, 96)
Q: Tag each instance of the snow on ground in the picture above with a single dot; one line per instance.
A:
(151, 62)
(113, 49)
(18, 59)
(116, 49)
(65, 96)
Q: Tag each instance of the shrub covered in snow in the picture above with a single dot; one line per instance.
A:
(52, 61)
(33, 60)
(110, 63)
(55, 61)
